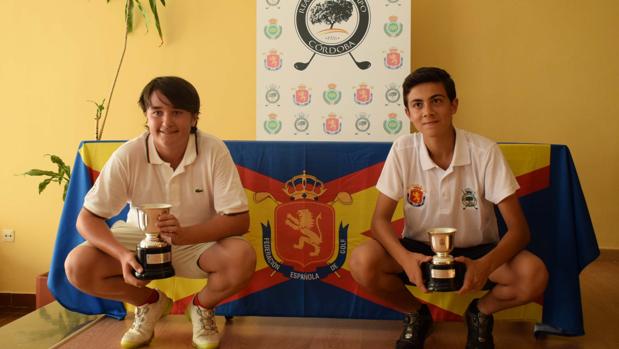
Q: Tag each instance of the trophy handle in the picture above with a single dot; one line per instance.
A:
(142, 220)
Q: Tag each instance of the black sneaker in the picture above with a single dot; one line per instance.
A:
(479, 328)
(416, 328)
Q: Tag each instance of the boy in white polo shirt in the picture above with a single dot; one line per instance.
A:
(173, 163)
(448, 178)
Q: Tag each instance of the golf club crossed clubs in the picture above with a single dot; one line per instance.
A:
(363, 65)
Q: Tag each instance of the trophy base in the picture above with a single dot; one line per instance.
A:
(451, 280)
(155, 274)
(156, 263)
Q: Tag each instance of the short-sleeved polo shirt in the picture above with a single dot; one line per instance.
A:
(462, 196)
(204, 184)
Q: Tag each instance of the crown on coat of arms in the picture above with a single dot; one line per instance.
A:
(304, 186)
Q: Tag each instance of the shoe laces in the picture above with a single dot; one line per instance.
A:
(207, 320)
(140, 315)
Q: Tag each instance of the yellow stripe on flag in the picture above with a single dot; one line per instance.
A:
(260, 213)
(358, 215)
(525, 158)
(94, 155)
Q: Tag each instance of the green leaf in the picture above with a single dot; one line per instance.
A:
(44, 184)
(163, 2)
(129, 15)
(153, 7)
(67, 172)
(143, 13)
(64, 193)
(57, 160)
(37, 172)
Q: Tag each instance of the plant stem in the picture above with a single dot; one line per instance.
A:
(109, 100)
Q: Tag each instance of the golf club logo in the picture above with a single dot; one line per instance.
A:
(392, 125)
(362, 124)
(332, 28)
(301, 124)
(393, 28)
(393, 59)
(363, 94)
(469, 199)
(301, 96)
(273, 60)
(392, 94)
(332, 96)
(416, 196)
(272, 3)
(272, 95)
(272, 30)
(272, 125)
(332, 124)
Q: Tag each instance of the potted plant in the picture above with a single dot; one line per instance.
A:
(63, 173)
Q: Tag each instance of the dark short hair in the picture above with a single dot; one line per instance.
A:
(429, 74)
(177, 90)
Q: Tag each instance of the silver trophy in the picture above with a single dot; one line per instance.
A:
(441, 272)
(154, 254)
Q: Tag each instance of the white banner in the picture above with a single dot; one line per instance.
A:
(331, 70)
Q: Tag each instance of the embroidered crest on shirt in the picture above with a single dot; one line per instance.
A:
(469, 199)
(415, 196)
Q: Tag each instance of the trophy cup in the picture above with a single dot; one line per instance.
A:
(154, 254)
(440, 274)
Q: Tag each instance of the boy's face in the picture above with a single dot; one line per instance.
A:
(170, 127)
(430, 110)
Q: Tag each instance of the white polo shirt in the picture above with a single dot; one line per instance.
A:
(463, 196)
(204, 184)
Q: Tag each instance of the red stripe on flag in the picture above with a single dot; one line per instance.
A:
(258, 182)
(533, 181)
(354, 182)
(94, 174)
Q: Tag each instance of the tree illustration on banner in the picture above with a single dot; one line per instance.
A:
(331, 12)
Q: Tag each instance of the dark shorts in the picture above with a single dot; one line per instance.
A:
(474, 252)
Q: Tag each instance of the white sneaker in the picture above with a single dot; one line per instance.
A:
(205, 333)
(146, 316)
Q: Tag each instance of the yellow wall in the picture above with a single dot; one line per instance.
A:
(527, 71)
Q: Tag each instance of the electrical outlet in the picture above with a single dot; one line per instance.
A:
(8, 235)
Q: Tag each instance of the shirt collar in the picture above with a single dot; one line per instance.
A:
(191, 151)
(461, 154)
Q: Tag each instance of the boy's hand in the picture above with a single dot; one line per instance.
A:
(129, 263)
(412, 268)
(477, 273)
(170, 229)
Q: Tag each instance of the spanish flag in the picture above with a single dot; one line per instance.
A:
(311, 204)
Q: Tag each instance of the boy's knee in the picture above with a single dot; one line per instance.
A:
(249, 258)
(361, 266)
(75, 274)
(534, 280)
(244, 268)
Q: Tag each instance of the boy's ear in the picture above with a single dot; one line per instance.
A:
(454, 106)
(407, 112)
